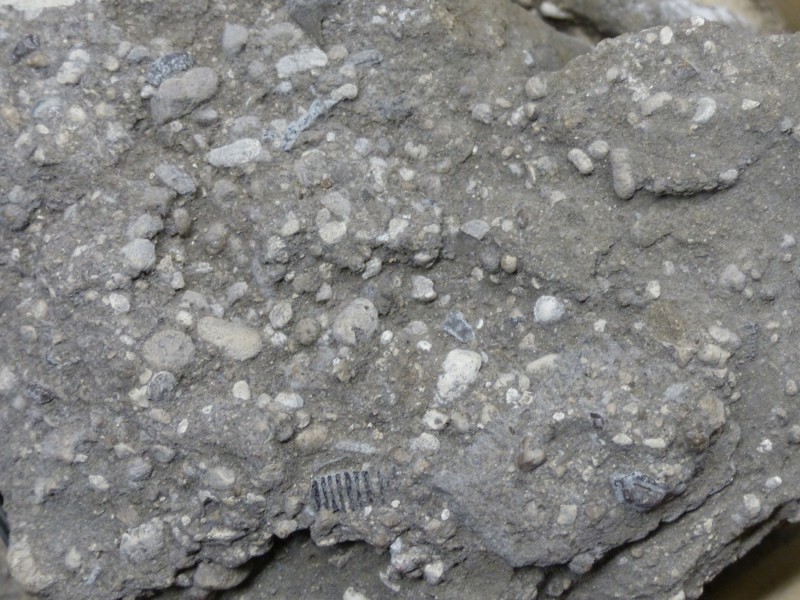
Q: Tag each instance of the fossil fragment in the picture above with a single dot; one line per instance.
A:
(637, 490)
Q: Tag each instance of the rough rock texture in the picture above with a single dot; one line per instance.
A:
(430, 276)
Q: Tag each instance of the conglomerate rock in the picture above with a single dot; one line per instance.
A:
(432, 277)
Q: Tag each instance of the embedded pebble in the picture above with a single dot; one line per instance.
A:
(456, 325)
(74, 68)
(139, 468)
(176, 179)
(143, 543)
(348, 91)
(528, 459)
(476, 228)
(581, 161)
(145, 227)
(425, 443)
(281, 314)
(622, 177)
(356, 323)
(637, 490)
(653, 103)
(140, 256)
(548, 310)
(333, 232)
(241, 390)
(25, 567)
(168, 66)
(289, 400)
(169, 350)
(211, 576)
(303, 60)
(234, 38)
(235, 154)
(728, 178)
(351, 594)
(436, 420)
(236, 340)
(161, 387)
(119, 303)
(307, 331)
(536, 87)
(312, 438)
(706, 107)
(460, 370)
(422, 289)
(338, 204)
(509, 263)
(598, 149)
(732, 278)
(752, 504)
(180, 95)
(433, 572)
(482, 112)
(567, 514)
(284, 528)
(220, 478)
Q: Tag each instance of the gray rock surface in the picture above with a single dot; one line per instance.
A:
(516, 311)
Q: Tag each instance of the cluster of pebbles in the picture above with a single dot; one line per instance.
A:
(374, 273)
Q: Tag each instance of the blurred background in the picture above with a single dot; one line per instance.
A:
(790, 9)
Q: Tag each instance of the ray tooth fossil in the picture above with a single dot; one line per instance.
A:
(348, 491)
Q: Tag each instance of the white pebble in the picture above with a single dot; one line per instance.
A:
(435, 420)
(598, 149)
(433, 572)
(665, 35)
(752, 504)
(732, 278)
(119, 303)
(289, 400)
(548, 309)
(241, 390)
(348, 91)
(581, 161)
(281, 314)
(422, 289)
(425, 443)
(706, 107)
(460, 370)
(333, 232)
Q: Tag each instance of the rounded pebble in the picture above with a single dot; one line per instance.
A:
(732, 278)
(436, 420)
(235, 154)
(234, 38)
(236, 340)
(548, 310)
(622, 173)
(356, 323)
(211, 576)
(241, 390)
(169, 350)
(536, 87)
(281, 314)
(581, 161)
